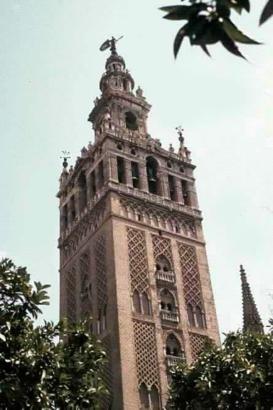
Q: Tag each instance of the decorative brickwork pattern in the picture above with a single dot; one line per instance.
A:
(152, 215)
(146, 353)
(71, 304)
(88, 223)
(138, 263)
(197, 343)
(85, 287)
(190, 273)
(100, 253)
(162, 246)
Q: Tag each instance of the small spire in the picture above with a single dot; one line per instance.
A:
(251, 318)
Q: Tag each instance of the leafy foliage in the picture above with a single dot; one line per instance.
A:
(238, 375)
(267, 12)
(209, 22)
(48, 366)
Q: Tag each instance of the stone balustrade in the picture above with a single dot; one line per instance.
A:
(169, 316)
(165, 276)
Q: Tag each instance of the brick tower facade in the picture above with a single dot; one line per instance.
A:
(132, 251)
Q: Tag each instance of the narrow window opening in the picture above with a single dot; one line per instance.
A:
(136, 302)
(83, 191)
(190, 315)
(65, 216)
(144, 396)
(145, 304)
(199, 317)
(135, 174)
(153, 183)
(93, 183)
(172, 187)
(101, 174)
(185, 192)
(154, 398)
(72, 207)
(121, 170)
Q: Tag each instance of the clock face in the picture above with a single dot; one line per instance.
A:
(105, 45)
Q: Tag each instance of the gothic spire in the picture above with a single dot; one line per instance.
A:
(251, 318)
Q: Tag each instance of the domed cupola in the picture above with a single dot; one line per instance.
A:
(116, 77)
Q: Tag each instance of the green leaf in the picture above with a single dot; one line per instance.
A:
(205, 49)
(179, 38)
(183, 12)
(244, 4)
(235, 34)
(267, 12)
(177, 12)
(230, 45)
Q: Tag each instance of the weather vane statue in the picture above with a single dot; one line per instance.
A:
(65, 157)
(180, 131)
(110, 43)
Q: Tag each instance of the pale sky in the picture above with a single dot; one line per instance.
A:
(49, 74)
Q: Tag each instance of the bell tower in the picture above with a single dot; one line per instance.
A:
(132, 251)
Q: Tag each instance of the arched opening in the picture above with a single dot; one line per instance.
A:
(100, 174)
(185, 191)
(144, 396)
(145, 304)
(84, 287)
(163, 269)
(152, 170)
(167, 301)
(190, 315)
(64, 216)
(131, 121)
(83, 190)
(136, 302)
(155, 403)
(172, 188)
(199, 317)
(173, 347)
(72, 208)
(135, 174)
(163, 264)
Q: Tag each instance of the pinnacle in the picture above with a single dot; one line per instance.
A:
(251, 319)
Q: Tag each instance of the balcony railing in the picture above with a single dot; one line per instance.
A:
(165, 276)
(169, 316)
(173, 361)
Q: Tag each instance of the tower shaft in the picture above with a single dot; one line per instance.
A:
(132, 251)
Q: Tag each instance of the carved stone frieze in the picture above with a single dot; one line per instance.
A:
(88, 224)
(152, 215)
